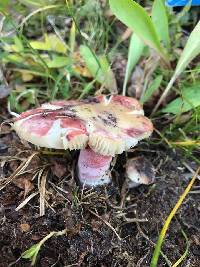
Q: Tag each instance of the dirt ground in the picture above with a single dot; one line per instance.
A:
(109, 226)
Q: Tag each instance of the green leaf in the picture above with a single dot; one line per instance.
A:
(136, 48)
(12, 57)
(136, 18)
(4, 4)
(160, 21)
(99, 68)
(51, 43)
(32, 253)
(56, 61)
(191, 50)
(151, 89)
(190, 98)
(18, 44)
(29, 253)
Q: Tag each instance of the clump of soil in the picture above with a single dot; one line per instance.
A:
(110, 226)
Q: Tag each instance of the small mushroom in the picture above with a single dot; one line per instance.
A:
(139, 171)
(100, 127)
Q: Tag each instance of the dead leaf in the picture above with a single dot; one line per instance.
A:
(35, 237)
(74, 230)
(24, 184)
(136, 83)
(59, 168)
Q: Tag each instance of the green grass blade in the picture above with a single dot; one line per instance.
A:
(185, 252)
(151, 89)
(161, 238)
(136, 18)
(160, 21)
(191, 50)
(99, 68)
(136, 48)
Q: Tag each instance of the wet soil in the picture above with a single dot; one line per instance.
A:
(110, 226)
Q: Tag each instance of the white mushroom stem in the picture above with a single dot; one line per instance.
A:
(93, 168)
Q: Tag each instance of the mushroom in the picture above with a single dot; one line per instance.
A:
(100, 127)
(139, 171)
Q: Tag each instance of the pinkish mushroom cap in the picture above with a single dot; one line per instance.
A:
(108, 125)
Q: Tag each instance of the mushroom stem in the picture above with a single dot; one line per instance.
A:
(93, 168)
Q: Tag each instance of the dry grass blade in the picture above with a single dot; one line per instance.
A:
(19, 170)
(42, 190)
(26, 201)
(190, 169)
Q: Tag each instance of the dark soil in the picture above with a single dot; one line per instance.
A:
(94, 219)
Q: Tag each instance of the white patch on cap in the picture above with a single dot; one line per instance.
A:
(136, 112)
(51, 106)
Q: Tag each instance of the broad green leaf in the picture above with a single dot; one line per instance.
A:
(136, 48)
(18, 44)
(191, 50)
(136, 18)
(190, 98)
(56, 61)
(151, 89)
(51, 43)
(99, 68)
(160, 21)
(14, 58)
